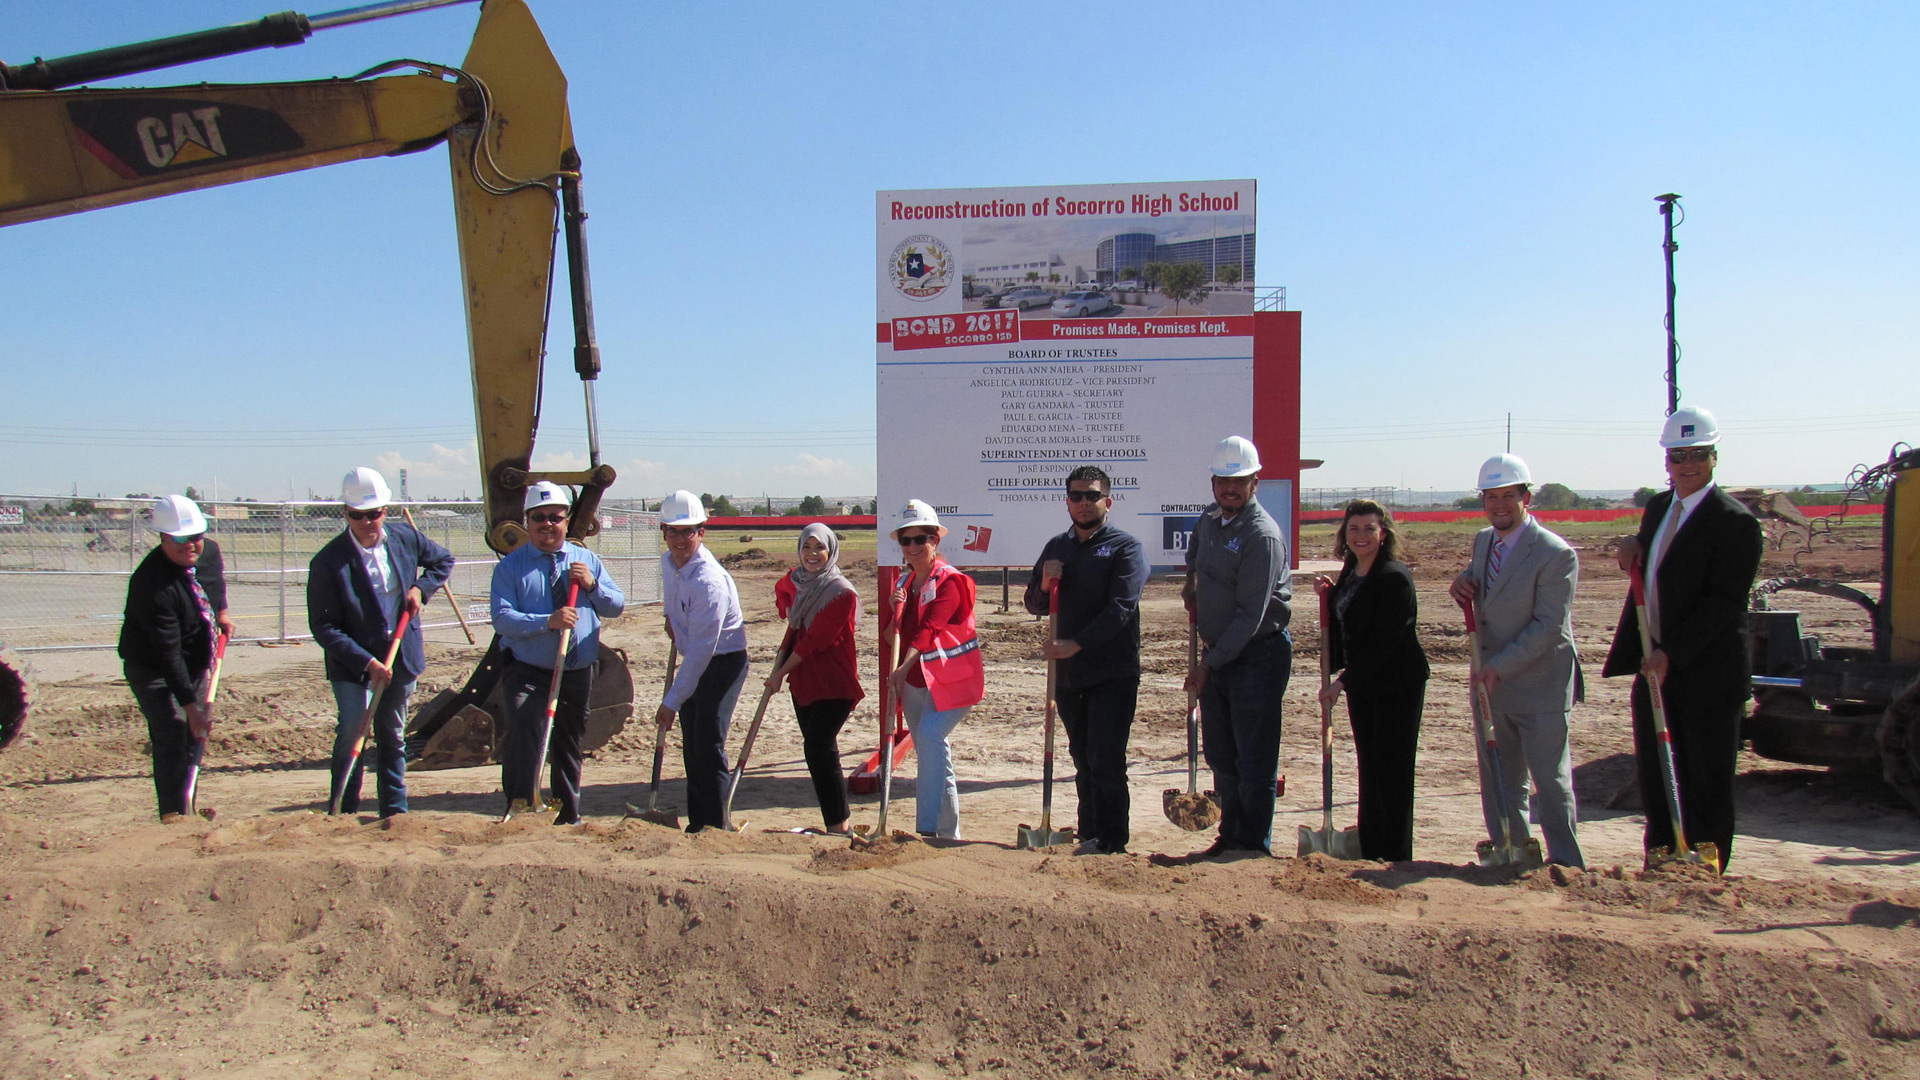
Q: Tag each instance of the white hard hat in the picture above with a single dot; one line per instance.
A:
(548, 493)
(364, 489)
(1503, 470)
(1690, 426)
(917, 514)
(177, 516)
(1235, 456)
(682, 507)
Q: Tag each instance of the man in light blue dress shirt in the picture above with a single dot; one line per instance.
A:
(530, 610)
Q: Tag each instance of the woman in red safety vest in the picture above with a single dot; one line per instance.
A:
(940, 675)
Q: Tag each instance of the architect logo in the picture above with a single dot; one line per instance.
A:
(921, 267)
(146, 137)
(979, 538)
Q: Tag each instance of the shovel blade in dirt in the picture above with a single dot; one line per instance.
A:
(1527, 855)
(1338, 843)
(1705, 854)
(654, 815)
(1194, 811)
(1042, 836)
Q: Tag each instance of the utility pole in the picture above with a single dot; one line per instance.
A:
(1667, 204)
(1509, 433)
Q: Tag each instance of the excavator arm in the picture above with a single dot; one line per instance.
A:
(516, 187)
(516, 180)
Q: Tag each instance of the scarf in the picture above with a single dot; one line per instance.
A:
(814, 590)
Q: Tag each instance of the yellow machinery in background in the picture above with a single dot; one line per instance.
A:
(516, 186)
(1848, 707)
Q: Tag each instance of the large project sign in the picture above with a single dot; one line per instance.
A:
(1026, 331)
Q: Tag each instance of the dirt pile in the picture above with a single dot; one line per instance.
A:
(450, 946)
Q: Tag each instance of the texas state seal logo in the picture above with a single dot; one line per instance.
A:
(921, 267)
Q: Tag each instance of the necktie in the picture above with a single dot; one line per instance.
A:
(205, 605)
(1494, 558)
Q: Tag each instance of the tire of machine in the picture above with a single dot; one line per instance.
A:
(1900, 744)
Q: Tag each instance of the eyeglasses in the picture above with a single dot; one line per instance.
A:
(367, 515)
(546, 519)
(918, 539)
(1697, 454)
(1085, 496)
(679, 531)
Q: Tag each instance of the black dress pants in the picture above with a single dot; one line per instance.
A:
(175, 750)
(1386, 740)
(524, 689)
(1099, 720)
(704, 719)
(1705, 727)
(820, 724)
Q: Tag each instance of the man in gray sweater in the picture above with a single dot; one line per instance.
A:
(1238, 585)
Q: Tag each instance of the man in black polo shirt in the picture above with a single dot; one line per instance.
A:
(1101, 571)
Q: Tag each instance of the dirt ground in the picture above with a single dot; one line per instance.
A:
(274, 941)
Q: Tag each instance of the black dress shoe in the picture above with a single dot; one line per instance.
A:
(1216, 849)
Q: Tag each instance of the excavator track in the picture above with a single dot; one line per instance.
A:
(14, 697)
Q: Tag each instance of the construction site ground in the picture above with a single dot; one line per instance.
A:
(274, 941)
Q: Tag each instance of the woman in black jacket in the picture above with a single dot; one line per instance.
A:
(1383, 671)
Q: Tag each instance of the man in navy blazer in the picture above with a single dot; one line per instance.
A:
(357, 586)
(1701, 550)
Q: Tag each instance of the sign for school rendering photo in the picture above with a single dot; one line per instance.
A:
(1026, 331)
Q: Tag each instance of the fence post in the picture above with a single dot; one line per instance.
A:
(286, 517)
(133, 538)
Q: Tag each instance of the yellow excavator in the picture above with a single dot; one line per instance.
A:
(66, 148)
(1848, 708)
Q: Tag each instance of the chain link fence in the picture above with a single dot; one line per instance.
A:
(64, 564)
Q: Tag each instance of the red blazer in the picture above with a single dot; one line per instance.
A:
(829, 656)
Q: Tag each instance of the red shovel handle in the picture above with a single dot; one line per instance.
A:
(1638, 585)
(1473, 624)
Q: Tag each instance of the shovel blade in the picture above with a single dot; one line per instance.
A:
(1526, 855)
(655, 815)
(1194, 811)
(1337, 843)
(1707, 854)
(1039, 838)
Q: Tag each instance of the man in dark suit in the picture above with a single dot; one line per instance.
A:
(1700, 550)
(357, 586)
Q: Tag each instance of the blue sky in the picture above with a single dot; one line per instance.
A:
(1458, 197)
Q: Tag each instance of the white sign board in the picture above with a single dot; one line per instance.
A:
(1026, 331)
(13, 515)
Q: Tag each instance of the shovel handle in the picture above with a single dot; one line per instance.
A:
(1046, 759)
(1662, 738)
(373, 703)
(553, 699)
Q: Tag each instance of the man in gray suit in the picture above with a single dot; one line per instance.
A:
(1522, 577)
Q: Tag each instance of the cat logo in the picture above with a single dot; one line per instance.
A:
(179, 140)
(140, 138)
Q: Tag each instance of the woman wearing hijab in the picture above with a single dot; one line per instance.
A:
(940, 676)
(820, 662)
(1383, 671)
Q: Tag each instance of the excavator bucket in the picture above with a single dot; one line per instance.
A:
(473, 733)
(14, 697)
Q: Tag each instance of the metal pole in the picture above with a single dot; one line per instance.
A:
(286, 518)
(1667, 203)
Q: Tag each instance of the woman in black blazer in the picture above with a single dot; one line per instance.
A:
(1383, 671)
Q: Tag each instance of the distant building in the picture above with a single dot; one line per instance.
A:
(1133, 251)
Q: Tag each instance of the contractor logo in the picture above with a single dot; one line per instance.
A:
(140, 138)
(921, 267)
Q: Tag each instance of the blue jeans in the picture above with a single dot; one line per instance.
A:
(351, 697)
(1240, 734)
(936, 792)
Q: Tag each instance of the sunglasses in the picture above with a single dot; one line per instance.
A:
(918, 539)
(546, 519)
(183, 541)
(1697, 454)
(367, 515)
(1085, 496)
